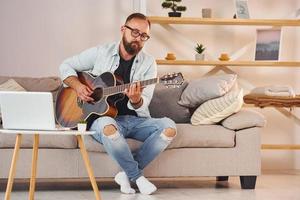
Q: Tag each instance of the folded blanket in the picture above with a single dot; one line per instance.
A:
(274, 90)
(274, 101)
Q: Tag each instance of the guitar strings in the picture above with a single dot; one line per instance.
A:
(120, 88)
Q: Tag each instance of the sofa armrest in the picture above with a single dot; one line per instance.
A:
(244, 119)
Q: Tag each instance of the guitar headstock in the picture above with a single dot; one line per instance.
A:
(172, 79)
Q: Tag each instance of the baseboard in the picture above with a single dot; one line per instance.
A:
(108, 183)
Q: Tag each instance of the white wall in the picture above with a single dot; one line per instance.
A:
(36, 35)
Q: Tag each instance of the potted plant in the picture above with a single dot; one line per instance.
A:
(81, 126)
(176, 10)
(199, 49)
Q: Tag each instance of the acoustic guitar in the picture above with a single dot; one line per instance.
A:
(107, 91)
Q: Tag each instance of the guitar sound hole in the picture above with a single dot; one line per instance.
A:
(97, 94)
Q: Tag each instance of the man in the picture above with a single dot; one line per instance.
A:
(126, 60)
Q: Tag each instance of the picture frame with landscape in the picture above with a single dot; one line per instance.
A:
(241, 9)
(268, 44)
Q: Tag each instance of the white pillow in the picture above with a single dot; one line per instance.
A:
(215, 110)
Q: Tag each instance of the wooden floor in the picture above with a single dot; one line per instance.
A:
(275, 185)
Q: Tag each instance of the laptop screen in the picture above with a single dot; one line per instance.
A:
(27, 110)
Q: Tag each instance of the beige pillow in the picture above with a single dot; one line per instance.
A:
(11, 85)
(244, 119)
(215, 110)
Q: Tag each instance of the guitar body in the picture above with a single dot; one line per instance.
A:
(107, 91)
(70, 109)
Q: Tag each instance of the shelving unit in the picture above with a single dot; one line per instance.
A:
(216, 21)
(231, 63)
(235, 63)
(281, 146)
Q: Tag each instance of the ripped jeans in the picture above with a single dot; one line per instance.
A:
(147, 130)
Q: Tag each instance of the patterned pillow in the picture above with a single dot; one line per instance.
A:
(215, 110)
(11, 85)
(200, 90)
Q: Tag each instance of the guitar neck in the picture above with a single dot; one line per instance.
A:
(120, 88)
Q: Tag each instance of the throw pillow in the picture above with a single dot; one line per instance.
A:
(200, 90)
(215, 110)
(244, 119)
(11, 85)
(164, 104)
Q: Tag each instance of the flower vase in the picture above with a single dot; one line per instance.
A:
(199, 56)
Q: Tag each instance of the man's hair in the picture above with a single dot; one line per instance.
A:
(138, 16)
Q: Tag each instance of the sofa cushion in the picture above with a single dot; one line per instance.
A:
(200, 90)
(188, 136)
(192, 136)
(46, 141)
(215, 110)
(164, 104)
(244, 119)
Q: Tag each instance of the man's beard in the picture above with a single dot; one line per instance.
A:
(133, 47)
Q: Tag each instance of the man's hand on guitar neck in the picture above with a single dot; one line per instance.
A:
(134, 94)
(83, 91)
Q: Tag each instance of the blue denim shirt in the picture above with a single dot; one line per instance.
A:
(106, 58)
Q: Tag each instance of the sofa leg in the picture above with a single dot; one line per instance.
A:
(248, 182)
(222, 178)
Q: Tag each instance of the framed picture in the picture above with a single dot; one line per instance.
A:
(242, 11)
(267, 44)
(297, 15)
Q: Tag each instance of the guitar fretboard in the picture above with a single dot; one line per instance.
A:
(120, 88)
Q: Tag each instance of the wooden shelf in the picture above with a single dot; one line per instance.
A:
(231, 63)
(220, 21)
(280, 146)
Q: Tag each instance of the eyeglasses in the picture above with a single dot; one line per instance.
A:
(136, 33)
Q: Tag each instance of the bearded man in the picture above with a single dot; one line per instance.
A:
(125, 59)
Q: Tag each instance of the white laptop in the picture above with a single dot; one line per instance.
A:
(28, 111)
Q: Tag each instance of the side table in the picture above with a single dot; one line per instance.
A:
(36, 134)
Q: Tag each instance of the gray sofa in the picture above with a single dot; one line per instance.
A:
(231, 148)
